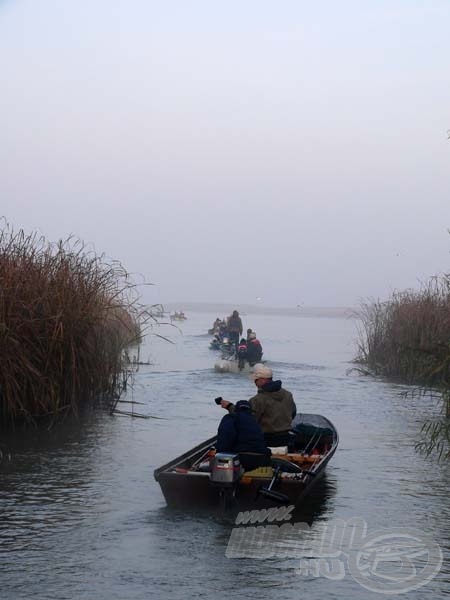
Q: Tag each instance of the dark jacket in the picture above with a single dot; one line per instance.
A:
(234, 325)
(273, 407)
(240, 432)
(254, 351)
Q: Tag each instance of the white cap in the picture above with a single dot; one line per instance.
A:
(260, 371)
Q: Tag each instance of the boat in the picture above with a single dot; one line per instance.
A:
(178, 317)
(231, 364)
(190, 480)
(156, 311)
(215, 344)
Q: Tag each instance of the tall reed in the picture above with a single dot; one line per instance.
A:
(66, 316)
(408, 336)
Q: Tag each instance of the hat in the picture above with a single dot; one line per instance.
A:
(243, 405)
(252, 336)
(260, 371)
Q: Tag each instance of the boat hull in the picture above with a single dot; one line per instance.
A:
(226, 365)
(196, 491)
(185, 487)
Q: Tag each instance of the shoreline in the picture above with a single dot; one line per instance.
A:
(344, 312)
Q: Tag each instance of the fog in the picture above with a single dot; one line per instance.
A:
(295, 152)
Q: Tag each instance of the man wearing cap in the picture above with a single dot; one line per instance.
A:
(240, 433)
(273, 407)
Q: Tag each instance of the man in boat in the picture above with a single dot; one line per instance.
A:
(234, 326)
(254, 349)
(240, 433)
(223, 331)
(242, 353)
(273, 406)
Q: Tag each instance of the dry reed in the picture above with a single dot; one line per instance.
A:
(66, 317)
(408, 337)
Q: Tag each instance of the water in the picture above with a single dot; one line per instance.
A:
(82, 518)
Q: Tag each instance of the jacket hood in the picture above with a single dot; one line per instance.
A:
(272, 387)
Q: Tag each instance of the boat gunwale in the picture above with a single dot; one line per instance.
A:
(196, 451)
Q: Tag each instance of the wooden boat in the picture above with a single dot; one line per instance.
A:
(186, 481)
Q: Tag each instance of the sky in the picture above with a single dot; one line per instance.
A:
(293, 151)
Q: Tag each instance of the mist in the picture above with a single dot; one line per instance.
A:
(225, 152)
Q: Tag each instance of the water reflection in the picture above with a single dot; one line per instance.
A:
(313, 506)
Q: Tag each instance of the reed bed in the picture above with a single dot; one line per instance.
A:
(66, 317)
(408, 336)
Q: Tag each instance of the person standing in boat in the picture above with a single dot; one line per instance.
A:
(240, 433)
(234, 326)
(273, 406)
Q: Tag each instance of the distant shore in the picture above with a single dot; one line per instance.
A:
(221, 309)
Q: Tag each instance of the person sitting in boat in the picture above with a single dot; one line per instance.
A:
(273, 406)
(240, 433)
(249, 331)
(223, 331)
(242, 353)
(254, 349)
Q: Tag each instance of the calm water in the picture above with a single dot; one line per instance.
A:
(82, 518)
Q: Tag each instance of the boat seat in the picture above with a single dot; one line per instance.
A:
(285, 465)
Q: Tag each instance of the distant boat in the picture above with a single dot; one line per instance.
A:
(178, 317)
(156, 311)
(230, 364)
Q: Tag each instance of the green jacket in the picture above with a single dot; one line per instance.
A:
(274, 410)
(273, 407)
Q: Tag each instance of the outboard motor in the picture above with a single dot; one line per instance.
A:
(225, 470)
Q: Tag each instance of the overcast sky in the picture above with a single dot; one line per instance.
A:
(295, 151)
